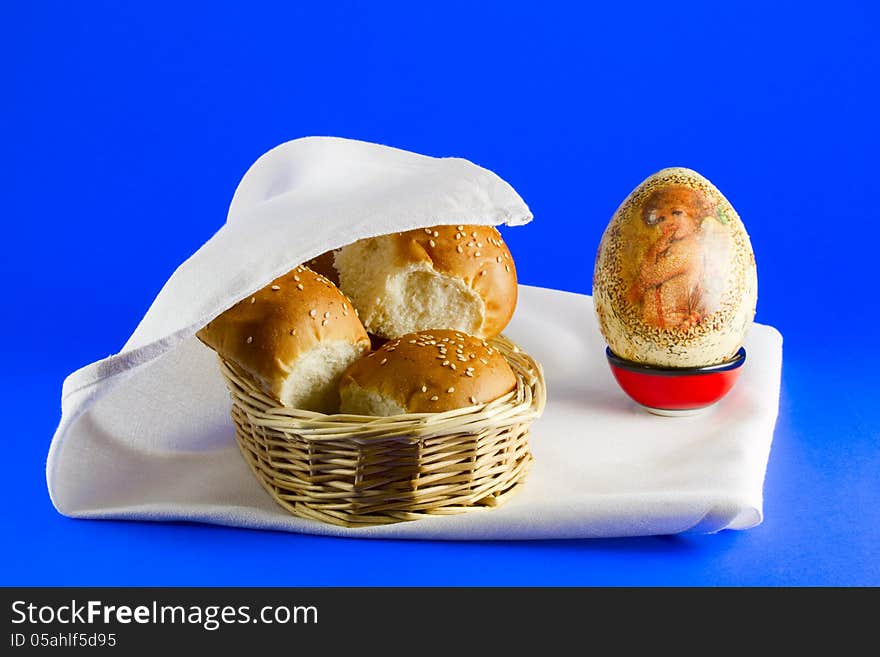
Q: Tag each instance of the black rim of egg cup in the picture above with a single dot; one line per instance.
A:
(632, 366)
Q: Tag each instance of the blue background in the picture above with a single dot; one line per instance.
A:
(128, 125)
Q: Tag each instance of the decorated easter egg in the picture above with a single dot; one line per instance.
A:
(675, 282)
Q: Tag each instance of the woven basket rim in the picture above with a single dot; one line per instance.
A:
(526, 402)
(358, 471)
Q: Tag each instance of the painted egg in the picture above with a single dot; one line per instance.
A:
(675, 283)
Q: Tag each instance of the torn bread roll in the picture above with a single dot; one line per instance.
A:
(425, 372)
(293, 338)
(458, 277)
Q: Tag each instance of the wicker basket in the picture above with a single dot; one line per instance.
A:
(357, 471)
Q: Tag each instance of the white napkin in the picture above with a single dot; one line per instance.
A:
(146, 434)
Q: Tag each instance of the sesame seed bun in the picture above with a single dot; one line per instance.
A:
(425, 372)
(323, 265)
(293, 338)
(457, 277)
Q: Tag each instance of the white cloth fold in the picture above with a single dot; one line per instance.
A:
(146, 433)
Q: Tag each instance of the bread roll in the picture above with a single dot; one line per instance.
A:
(293, 338)
(323, 265)
(425, 372)
(457, 277)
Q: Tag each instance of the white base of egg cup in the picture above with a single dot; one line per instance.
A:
(685, 412)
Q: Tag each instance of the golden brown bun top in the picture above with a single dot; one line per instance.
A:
(434, 371)
(475, 254)
(266, 332)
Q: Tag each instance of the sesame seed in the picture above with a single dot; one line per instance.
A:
(484, 361)
(477, 254)
(470, 244)
(450, 390)
(296, 278)
(470, 369)
(474, 234)
(327, 314)
(391, 348)
(276, 287)
(424, 388)
(479, 245)
(452, 365)
(458, 236)
(459, 249)
(253, 299)
(472, 399)
(436, 234)
(250, 339)
(468, 373)
(383, 361)
(293, 331)
(299, 286)
(459, 227)
(313, 312)
(445, 363)
(431, 243)
(434, 398)
(412, 341)
(483, 273)
(507, 268)
(324, 322)
(498, 259)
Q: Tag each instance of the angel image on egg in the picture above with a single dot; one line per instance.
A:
(680, 279)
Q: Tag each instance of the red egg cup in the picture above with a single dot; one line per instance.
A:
(675, 390)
